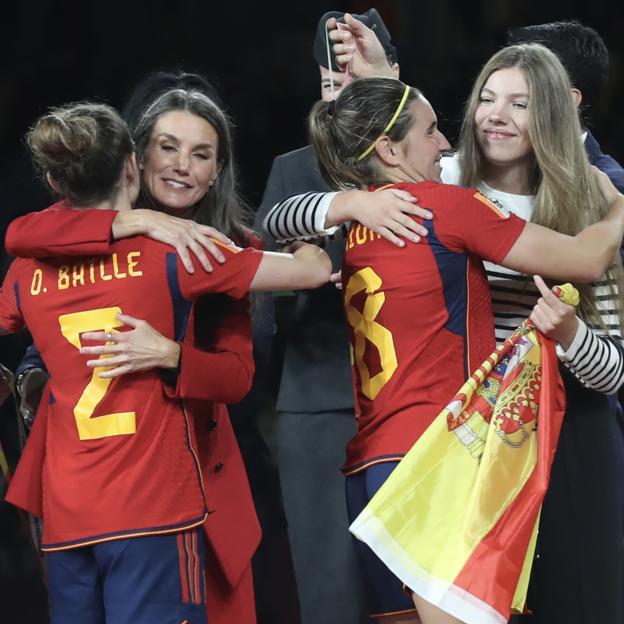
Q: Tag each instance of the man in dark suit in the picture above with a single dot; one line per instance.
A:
(315, 416)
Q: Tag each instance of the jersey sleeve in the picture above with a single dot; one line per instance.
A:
(11, 319)
(232, 278)
(477, 225)
(61, 231)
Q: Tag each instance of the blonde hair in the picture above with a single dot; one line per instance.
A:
(567, 194)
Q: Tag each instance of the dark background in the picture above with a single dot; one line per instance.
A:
(258, 55)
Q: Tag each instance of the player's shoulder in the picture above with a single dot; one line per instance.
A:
(18, 267)
(432, 194)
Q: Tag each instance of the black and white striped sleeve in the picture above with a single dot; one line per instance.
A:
(300, 217)
(597, 361)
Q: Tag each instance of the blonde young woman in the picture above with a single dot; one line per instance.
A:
(521, 145)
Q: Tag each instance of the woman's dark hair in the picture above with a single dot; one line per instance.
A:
(158, 94)
(342, 130)
(83, 147)
(220, 207)
(159, 82)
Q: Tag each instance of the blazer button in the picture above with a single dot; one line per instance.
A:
(219, 467)
(212, 424)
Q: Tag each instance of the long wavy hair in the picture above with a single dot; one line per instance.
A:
(567, 194)
(221, 207)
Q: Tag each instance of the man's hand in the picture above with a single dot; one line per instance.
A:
(358, 49)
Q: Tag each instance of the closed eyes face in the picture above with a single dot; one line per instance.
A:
(180, 161)
(502, 118)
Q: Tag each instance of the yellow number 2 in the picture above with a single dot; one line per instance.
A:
(365, 327)
(124, 423)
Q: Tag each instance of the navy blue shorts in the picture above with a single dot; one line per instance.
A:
(385, 592)
(138, 580)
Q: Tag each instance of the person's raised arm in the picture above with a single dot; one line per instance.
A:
(62, 231)
(308, 266)
(245, 270)
(358, 48)
(582, 258)
(387, 212)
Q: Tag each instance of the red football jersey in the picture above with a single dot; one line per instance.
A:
(120, 458)
(420, 317)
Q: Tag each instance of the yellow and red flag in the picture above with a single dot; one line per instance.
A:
(456, 521)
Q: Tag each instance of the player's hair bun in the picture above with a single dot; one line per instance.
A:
(61, 137)
(80, 149)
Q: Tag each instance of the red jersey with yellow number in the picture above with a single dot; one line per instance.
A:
(420, 317)
(120, 454)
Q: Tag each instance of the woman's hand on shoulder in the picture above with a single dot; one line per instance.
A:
(185, 235)
(389, 213)
(553, 318)
(140, 349)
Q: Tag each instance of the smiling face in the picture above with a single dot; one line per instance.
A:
(423, 145)
(502, 119)
(180, 160)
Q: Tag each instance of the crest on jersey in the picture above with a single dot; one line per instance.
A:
(493, 204)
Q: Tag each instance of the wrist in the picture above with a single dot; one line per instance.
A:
(172, 353)
(568, 348)
(566, 337)
(343, 207)
(128, 223)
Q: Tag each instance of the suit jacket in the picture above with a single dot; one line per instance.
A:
(316, 375)
(604, 162)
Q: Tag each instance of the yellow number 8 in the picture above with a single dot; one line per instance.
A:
(365, 327)
(124, 423)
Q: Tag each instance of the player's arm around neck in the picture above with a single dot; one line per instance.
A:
(582, 258)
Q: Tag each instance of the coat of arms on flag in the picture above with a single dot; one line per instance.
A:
(457, 519)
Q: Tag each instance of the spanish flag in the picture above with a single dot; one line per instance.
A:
(456, 521)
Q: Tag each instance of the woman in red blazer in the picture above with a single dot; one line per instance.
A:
(212, 365)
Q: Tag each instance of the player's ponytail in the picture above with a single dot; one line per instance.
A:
(83, 147)
(343, 132)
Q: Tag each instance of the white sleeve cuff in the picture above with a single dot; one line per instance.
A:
(321, 215)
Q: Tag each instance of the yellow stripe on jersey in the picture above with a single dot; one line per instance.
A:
(231, 248)
(385, 186)
(497, 210)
